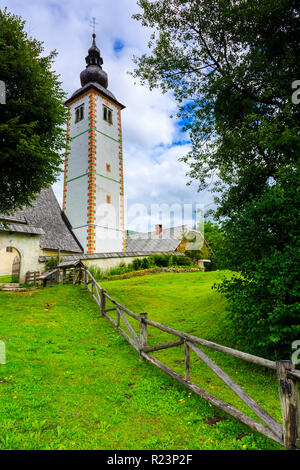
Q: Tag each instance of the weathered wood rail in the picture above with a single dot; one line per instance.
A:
(287, 434)
(32, 277)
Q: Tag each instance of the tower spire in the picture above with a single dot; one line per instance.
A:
(93, 72)
(93, 23)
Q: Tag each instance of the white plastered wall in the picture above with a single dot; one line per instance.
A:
(78, 167)
(108, 237)
(29, 248)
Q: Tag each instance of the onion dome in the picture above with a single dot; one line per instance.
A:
(93, 72)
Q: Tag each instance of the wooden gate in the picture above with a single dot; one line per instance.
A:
(16, 269)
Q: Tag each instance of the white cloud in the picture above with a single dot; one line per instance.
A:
(152, 171)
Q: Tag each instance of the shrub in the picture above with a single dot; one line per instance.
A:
(96, 272)
(181, 260)
(137, 264)
(145, 263)
(162, 260)
(51, 263)
(130, 267)
(121, 269)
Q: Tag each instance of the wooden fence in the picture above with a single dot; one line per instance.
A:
(287, 434)
(32, 277)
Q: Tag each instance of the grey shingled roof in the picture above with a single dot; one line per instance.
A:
(22, 229)
(45, 214)
(166, 233)
(120, 254)
(161, 245)
(15, 218)
(168, 240)
(99, 88)
(70, 264)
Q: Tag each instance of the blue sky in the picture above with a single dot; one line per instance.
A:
(152, 141)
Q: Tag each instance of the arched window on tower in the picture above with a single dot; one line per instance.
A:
(79, 113)
(107, 114)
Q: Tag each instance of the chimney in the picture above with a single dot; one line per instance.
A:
(158, 229)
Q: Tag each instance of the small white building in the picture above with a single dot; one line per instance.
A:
(41, 229)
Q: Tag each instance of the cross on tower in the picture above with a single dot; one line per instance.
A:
(93, 24)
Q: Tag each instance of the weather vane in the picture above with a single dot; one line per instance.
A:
(93, 24)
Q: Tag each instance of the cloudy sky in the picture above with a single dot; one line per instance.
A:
(152, 141)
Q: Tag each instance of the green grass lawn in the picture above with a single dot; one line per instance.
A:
(72, 382)
(8, 279)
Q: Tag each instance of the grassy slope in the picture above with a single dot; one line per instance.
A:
(72, 382)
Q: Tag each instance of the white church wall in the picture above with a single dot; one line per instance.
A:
(107, 240)
(76, 194)
(109, 129)
(78, 149)
(108, 152)
(81, 235)
(76, 203)
(106, 188)
(82, 125)
(78, 164)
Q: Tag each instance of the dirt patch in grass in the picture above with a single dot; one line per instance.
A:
(214, 420)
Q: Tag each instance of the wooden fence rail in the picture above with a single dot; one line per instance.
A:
(32, 277)
(288, 434)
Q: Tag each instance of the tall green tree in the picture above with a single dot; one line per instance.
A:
(231, 65)
(31, 133)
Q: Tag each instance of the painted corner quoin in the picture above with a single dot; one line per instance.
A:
(91, 209)
(122, 219)
(66, 157)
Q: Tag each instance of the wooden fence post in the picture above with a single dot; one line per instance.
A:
(118, 318)
(290, 408)
(58, 262)
(187, 360)
(143, 334)
(103, 301)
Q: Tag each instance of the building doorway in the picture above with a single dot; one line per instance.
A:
(10, 264)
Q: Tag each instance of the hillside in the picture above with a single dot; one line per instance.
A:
(72, 382)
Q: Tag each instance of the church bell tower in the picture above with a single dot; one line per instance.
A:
(93, 176)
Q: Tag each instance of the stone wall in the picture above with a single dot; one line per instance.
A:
(107, 263)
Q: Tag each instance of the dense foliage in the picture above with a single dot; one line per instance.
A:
(265, 297)
(31, 135)
(212, 246)
(154, 261)
(52, 263)
(231, 66)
